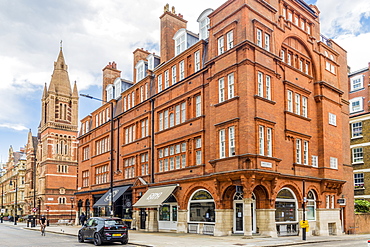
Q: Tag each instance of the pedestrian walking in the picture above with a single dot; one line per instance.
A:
(82, 219)
(42, 225)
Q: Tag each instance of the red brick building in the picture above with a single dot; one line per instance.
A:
(51, 166)
(227, 131)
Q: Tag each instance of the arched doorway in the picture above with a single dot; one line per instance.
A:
(286, 216)
(238, 203)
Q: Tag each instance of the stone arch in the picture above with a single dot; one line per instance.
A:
(199, 186)
(262, 197)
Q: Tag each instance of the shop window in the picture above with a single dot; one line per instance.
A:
(311, 205)
(202, 207)
(286, 206)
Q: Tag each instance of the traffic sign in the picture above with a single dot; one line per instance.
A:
(34, 210)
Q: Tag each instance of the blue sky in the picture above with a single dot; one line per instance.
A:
(97, 32)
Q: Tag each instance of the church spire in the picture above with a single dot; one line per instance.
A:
(60, 80)
(45, 93)
(75, 91)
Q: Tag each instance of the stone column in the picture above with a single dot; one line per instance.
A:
(152, 223)
(135, 220)
(247, 217)
(266, 222)
(182, 225)
(224, 222)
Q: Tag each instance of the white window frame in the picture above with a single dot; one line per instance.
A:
(182, 70)
(230, 40)
(196, 61)
(304, 106)
(290, 101)
(260, 84)
(305, 152)
(231, 131)
(198, 106)
(159, 83)
(222, 140)
(259, 37)
(166, 79)
(221, 90)
(267, 42)
(261, 139)
(297, 104)
(355, 127)
(269, 142)
(333, 163)
(358, 108)
(230, 82)
(180, 42)
(357, 82)
(357, 155)
(174, 80)
(314, 160)
(220, 45)
(268, 87)
(332, 119)
(298, 146)
(358, 179)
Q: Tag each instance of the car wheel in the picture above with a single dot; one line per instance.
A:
(124, 241)
(97, 239)
(80, 237)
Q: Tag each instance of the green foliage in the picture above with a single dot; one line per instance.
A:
(362, 206)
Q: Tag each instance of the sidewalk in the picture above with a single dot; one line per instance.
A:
(163, 239)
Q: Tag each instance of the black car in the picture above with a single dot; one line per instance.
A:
(104, 229)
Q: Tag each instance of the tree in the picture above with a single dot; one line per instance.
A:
(362, 206)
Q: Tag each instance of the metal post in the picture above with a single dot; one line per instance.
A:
(71, 207)
(33, 224)
(304, 209)
(2, 201)
(111, 149)
(16, 202)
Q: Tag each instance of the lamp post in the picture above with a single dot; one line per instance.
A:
(111, 148)
(2, 201)
(72, 199)
(16, 195)
(33, 223)
(304, 209)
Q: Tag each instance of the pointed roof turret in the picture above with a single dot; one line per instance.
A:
(60, 80)
(45, 93)
(75, 91)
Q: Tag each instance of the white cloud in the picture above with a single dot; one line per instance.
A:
(18, 127)
(342, 17)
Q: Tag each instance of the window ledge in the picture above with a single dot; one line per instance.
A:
(360, 188)
(357, 137)
(296, 115)
(264, 99)
(358, 163)
(226, 101)
(356, 90)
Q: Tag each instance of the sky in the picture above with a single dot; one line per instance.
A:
(95, 32)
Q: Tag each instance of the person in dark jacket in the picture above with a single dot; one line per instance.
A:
(82, 219)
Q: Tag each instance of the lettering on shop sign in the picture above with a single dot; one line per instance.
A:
(154, 196)
(107, 198)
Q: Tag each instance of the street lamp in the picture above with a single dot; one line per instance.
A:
(2, 201)
(111, 148)
(72, 199)
(16, 195)
(33, 223)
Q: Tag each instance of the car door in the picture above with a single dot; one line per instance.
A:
(88, 230)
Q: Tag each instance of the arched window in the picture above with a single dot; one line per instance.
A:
(311, 205)
(204, 25)
(286, 206)
(202, 207)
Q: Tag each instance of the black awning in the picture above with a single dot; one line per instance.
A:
(105, 200)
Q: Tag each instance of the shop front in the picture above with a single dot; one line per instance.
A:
(164, 208)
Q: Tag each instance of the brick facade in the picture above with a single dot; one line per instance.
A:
(239, 121)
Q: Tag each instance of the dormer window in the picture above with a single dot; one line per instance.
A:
(204, 25)
(140, 70)
(180, 41)
(117, 88)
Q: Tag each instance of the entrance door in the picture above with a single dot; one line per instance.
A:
(142, 218)
(239, 218)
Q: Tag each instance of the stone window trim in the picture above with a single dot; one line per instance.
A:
(224, 128)
(267, 142)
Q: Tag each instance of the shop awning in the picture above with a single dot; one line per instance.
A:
(105, 200)
(155, 196)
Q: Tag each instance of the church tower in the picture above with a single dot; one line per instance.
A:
(57, 147)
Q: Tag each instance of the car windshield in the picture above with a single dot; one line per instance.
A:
(113, 222)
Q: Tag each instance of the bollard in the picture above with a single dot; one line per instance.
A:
(47, 223)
